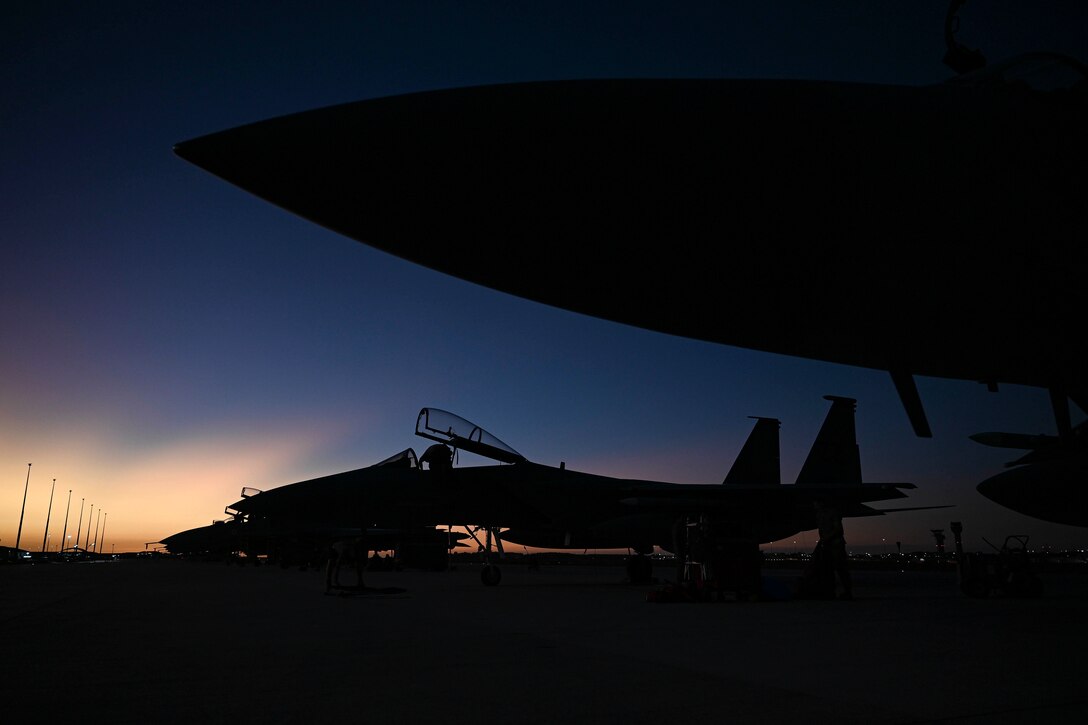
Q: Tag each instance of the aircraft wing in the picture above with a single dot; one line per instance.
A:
(696, 498)
(787, 503)
(872, 225)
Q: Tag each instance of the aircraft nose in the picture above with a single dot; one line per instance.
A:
(364, 169)
(1051, 490)
(1003, 488)
(994, 488)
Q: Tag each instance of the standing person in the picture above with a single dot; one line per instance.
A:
(345, 551)
(833, 559)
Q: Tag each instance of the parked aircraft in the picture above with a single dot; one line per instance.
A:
(533, 504)
(216, 540)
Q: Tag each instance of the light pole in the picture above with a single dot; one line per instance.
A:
(99, 547)
(96, 522)
(64, 534)
(20, 534)
(48, 515)
(80, 527)
(87, 539)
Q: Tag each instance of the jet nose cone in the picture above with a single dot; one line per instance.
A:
(992, 487)
(1053, 490)
(1004, 487)
(362, 169)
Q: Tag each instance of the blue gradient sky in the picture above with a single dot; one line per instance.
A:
(166, 339)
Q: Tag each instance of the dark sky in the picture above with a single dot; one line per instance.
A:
(166, 339)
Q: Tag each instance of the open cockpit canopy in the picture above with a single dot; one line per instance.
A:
(445, 427)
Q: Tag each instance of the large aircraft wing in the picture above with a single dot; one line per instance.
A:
(921, 230)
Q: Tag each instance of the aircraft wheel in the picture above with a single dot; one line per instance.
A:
(490, 575)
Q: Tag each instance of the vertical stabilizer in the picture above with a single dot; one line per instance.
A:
(834, 457)
(758, 460)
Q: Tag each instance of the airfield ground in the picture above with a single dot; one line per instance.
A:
(171, 641)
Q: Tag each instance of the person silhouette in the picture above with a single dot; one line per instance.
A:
(833, 560)
(345, 551)
(438, 457)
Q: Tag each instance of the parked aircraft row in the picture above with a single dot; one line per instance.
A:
(532, 504)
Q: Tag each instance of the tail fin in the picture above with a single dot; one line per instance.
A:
(757, 462)
(834, 457)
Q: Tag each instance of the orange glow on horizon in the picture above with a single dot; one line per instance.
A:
(145, 493)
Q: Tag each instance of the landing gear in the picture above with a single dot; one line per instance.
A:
(490, 575)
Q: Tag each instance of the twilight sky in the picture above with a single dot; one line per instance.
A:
(166, 339)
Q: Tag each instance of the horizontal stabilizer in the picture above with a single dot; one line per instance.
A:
(758, 461)
(834, 457)
(1022, 441)
(915, 508)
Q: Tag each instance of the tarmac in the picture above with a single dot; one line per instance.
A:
(173, 641)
